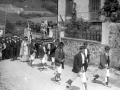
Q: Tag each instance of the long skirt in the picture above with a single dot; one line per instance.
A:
(25, 57)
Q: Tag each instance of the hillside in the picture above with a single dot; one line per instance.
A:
(41, 5)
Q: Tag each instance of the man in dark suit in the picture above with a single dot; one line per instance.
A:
(18, 46)
(14, 48)
(79, 59)
(11, 47)
(59, 58)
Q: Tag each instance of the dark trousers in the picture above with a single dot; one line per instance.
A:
(62, 65)
(3, 54)
(85, 65)
(7, 53)
(15, 54)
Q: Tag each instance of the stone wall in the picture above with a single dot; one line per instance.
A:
(72, 46)
(114, 43)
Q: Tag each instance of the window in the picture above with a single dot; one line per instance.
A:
(69, 7)
(94, 5)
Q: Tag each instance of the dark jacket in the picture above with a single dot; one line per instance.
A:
(41, 51)
(59, 56)
(32, 48)
(52, 50)
(104, 60)
(77, 63)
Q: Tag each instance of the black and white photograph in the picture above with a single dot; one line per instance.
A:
(59, 44)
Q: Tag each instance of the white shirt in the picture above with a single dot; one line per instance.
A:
(86, 52)
(83, 58)
(107, 54)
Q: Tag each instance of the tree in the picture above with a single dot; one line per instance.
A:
(10, 28)
(111, 9)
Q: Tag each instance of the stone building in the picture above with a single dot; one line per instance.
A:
(86, 9)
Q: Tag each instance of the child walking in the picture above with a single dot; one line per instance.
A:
(84, 79)
(59, 58)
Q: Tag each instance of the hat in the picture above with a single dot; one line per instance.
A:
(107, 48)
(82, 47)
(85, 43)
(61, 43)
(15, 36)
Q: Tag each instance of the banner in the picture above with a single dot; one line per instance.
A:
(2, 28)
(27, 33)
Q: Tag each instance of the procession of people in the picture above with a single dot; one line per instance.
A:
(17, 48)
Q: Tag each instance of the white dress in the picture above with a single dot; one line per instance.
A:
(26, 53)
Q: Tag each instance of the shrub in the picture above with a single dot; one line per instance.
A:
(111, 9)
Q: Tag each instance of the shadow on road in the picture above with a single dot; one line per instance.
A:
(74, 88)
(98, 82)
(53, 79)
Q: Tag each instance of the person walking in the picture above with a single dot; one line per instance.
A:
(52, 54)
(105, 64)
(78, 64)
(32, 52)
(44, 57)
(59, 58)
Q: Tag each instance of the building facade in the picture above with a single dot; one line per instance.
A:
(87, 9)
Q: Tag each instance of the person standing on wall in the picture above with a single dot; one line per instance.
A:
(87, 55)
(59, 58)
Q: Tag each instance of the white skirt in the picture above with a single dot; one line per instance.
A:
(32, 57)
(44, 59)
(59, 69)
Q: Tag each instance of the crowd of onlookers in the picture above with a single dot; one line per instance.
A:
(10, 47)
